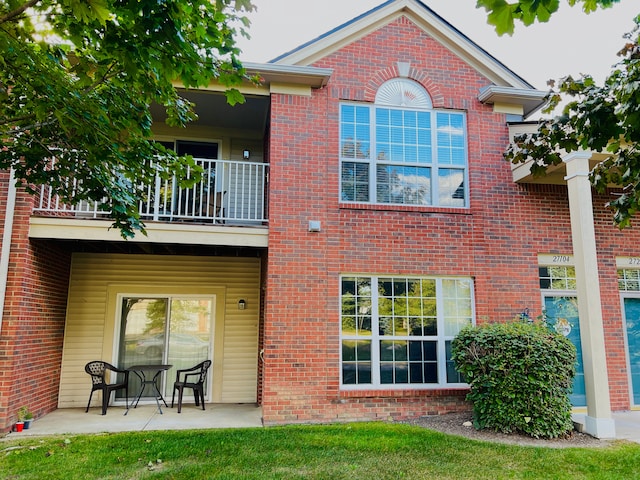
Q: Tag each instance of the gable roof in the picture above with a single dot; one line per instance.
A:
(425, 18)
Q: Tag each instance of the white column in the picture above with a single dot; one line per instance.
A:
(598, 421)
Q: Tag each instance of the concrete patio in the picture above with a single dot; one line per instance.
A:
(146, 417)
(143, 418)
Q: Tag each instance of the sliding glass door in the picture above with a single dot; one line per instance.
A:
(164, 330)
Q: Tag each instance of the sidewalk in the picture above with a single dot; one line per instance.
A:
(627, 424)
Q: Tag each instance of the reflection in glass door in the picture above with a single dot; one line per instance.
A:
(632, 319)
(164, 330)
(562, 314)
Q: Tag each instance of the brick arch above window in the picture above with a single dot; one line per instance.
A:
(414, 74)
(402, 92)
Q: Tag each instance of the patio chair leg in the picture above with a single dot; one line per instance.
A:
(105, 401)
(89, 402)
(180, 390)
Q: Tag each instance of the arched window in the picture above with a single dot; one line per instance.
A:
(402, 92)
(401, 151)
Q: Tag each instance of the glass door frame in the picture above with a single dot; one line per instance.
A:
(112, 327)
(624, 295)
(549, 293)
(165, 379)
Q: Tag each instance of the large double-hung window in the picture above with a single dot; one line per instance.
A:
(397, 331)
(400, 151)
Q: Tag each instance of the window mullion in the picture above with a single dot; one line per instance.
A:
(373, 153)
(375, 334)
(434, 159)
(441, 353)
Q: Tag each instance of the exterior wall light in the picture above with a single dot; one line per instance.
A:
(246, 154)
(242, 304)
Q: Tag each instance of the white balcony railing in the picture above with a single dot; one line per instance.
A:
(229, 192)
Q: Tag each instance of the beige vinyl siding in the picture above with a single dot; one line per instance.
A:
(97, 279)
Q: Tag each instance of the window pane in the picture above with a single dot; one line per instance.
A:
(415, 351)
(401, 373)
(348, 351)
(355, 133)
(386, 350)
(364, 373)
(452, 374)
(430, 326)
(557, 278)
(430, 373)
(415, 327)
(403, 185)
(356, 306)
(382, 136)
(363, 349)
(451, 187)
(451, 138)
(362, 115)
(355, 182)
(457, 304)
(356, 362)
(349, 373)
(416, 373)
(629, 279)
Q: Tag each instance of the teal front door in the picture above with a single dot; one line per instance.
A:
(632, 319)
(562, 313)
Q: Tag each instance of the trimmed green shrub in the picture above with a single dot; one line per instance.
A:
(520, 376)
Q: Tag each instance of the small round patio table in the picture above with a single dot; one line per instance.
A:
(149, 375)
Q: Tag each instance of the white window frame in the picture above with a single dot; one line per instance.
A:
(375, 337)
(434, 166)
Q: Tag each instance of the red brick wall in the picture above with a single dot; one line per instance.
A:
(496, 241)
(33, 320)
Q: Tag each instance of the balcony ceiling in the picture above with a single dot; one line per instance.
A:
(214, 111)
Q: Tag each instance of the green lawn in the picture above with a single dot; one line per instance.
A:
(354, 451)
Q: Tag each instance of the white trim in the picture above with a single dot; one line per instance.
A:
(434, 167)
(624, 295)
(7, 233)
(425, 18)
(440, 338)
(157, 232)
(165, 382)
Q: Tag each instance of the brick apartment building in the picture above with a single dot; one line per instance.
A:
(356, 213)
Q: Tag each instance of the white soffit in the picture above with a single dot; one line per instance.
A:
(531, 100)
(434, 25)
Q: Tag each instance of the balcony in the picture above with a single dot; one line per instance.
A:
(230, 193)
(218, 210)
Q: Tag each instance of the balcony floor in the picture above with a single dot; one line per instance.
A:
(143, 418)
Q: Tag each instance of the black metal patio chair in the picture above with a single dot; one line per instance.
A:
(194, 379)
(99, 381)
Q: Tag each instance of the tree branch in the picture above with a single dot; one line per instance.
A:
(18, 11)
(9, 121)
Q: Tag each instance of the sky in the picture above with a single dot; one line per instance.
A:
(570, 43)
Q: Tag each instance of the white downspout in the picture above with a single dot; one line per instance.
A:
(6, 241)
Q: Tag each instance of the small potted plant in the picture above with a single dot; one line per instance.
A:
(25, 416)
